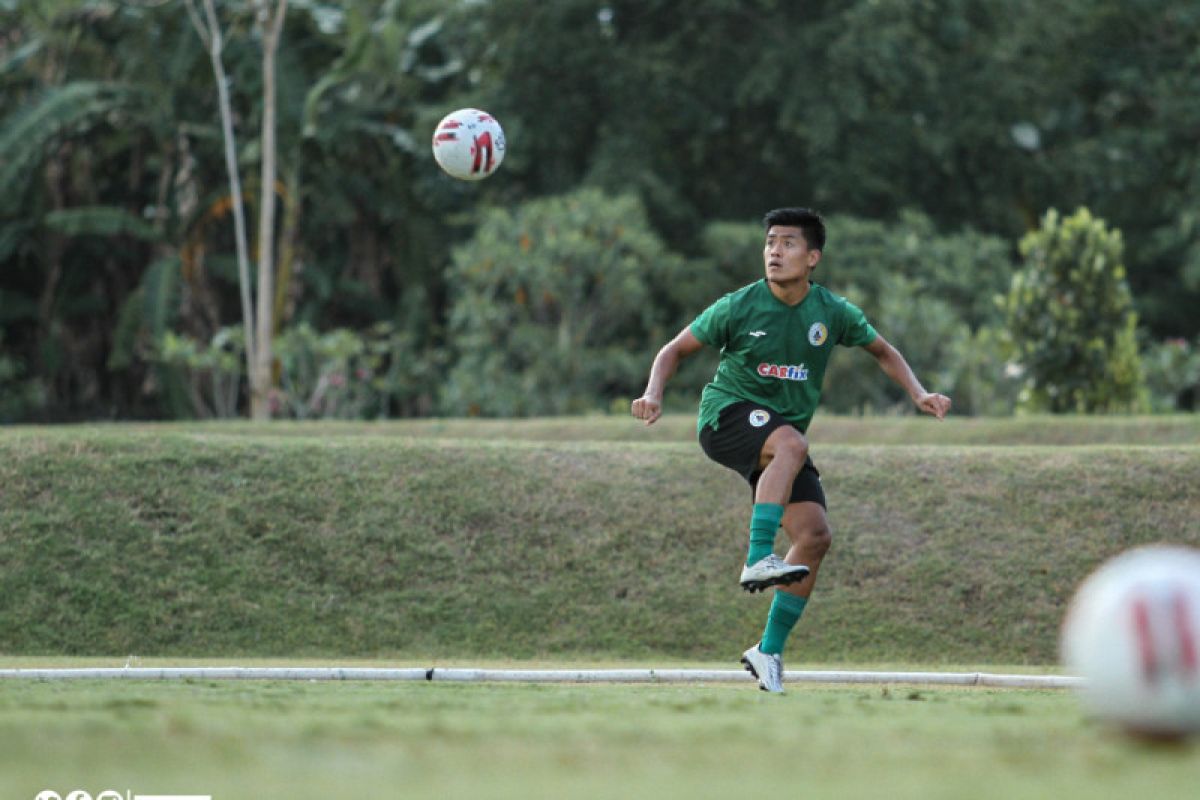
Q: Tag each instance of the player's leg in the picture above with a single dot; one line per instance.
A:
(780, 458)
(760, 445)
(808, 529)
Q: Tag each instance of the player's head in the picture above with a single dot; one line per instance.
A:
(805, 219)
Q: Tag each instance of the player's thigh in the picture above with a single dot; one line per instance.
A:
(740, 436)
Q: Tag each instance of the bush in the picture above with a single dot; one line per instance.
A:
(1172, 370)
(559, 306)
(1070, 317)
(338, 374)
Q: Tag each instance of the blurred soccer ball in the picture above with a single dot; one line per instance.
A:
(1132, 631)
(468, 144)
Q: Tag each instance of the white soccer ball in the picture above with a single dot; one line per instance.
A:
(468, 144)
(1132, 632)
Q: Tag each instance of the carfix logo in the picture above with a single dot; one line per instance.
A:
(785, 372)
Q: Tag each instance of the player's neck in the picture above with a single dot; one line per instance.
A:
(790, 292)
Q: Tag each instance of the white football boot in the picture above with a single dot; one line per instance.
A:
(767, 668)
(771, 571)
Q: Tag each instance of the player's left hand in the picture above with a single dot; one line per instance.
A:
(934, 404)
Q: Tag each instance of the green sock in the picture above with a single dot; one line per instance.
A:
(785, 612)
(764, 522)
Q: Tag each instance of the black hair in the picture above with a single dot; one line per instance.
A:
(807, 220)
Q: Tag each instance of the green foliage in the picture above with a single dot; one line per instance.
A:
(965, 269)
(341, 374)
(99, 221)
(337, 374)
(1070, 316)
(1172, 370)
(980, 115)
(19, 395)
(558, 304)
(63, 112)
(213, 370)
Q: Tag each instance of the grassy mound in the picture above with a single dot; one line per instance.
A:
(1041, 430)
(328, 541)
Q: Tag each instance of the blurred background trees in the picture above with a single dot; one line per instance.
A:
(646, 139)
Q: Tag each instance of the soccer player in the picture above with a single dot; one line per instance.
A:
(776, 336)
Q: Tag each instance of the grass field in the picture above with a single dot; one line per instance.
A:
(363, 739)
(469, 543)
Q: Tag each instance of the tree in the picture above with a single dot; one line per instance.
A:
(209, 30)
(87, 159)
(1070, 317)
(258, 325)
(556, 306)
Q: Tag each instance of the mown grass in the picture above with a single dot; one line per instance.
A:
(230, 540)
(1040, 430)
(321, 740)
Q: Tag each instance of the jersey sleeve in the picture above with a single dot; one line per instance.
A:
(856, 331)
(712, 326)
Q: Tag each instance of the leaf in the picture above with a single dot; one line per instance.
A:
(64, 111)
(99, 221)
(160, 285)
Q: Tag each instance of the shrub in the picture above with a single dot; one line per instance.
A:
(1069, 313)
(559, 305)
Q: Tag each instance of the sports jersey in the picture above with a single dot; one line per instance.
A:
(773, 353)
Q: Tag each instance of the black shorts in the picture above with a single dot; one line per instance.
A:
(742, 430)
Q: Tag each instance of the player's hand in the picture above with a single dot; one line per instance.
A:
(935, 404)
(647, 408)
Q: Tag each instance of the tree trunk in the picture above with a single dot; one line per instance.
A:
(271, 24)
(209, 30)
(285, 295)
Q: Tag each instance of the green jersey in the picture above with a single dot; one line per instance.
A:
(773, 353)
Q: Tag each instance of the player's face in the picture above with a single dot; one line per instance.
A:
(786, 255)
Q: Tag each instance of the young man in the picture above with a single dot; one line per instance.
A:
(776, 336)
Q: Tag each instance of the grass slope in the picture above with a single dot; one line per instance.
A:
(1166, 429)
(194, 542)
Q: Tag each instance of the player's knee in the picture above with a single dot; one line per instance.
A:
(819, 539)
(790, 445)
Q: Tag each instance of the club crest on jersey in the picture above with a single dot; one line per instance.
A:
(758, 417)
(817, 334)
(785, 372)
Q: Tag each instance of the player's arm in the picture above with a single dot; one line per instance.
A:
(649, 405)
(895, 367)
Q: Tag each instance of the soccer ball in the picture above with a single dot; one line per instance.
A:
(1132, 632)
(468, 144)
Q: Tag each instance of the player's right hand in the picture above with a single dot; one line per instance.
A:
(647, 408)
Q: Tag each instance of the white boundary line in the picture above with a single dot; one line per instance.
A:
(457, 675)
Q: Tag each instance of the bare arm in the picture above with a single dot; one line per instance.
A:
(895, 367)
(649, 405)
